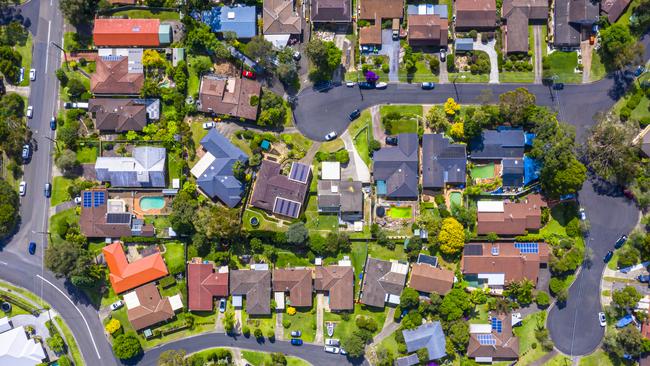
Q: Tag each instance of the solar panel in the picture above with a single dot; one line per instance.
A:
(286, 207)
(118, 218)
(423, 258)
(88, 199)
(299, 172)
(473, 249)
(525, 248)
(486, 339)
(497, 325)
(100, 198)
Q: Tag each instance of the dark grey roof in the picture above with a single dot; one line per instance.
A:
(429, 336)
(569, 15)
(498, 144)
(409, 360)
(256, 286)
(343, 195)
(216, 179)
(271, 185)
(334, 11)
(442, 162)
(513, 172)
(398, 167)
(379, 281)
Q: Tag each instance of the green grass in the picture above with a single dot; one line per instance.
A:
(641, 111)
(242, 145)
(390, 343)
(467, 77)
(406, 125)
(266, 223)
(332, 146)
(422, 73)
(361, 132)
(563, 65)
(625, 17)
(599, 358)
(517, 77)
(597, 67)
(175, 164)
(60, 190)
(24, 293)
(483, 171)
(401, 108)
(193, 81)
(456, 198)
(400, 212)
(297, 141)
(303, 320)
(73, 348)
(56, 221)
(149, 14)
(377, 251)
(479, 315)
(318, 222)
(526, 334)
(290, 259)
(26, 53)
(261, 358)
(265, 323)
(559, 360)
(344, 328)
(174, 254)
(63, 92)
(87, 154)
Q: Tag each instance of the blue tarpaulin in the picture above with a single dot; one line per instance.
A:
(381, 188)
(532, 168)
(528, 138)
(624, 321)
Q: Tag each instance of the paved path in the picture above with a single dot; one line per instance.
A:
(443, 76)
(309, 156)
(494, 60)
(586, 51)
(389, 327)
(279, 329)
(21, 90)
(38, 323)
(357, 166)
(320, 304)
(537, 65)
(542, 361)
(64, 206)
(378, 131)
(218, 323)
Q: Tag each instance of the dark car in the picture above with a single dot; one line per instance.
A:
(355, 114)
(558, 86)
(427, 86)
(639, 70)
(643, 278)
(67, 105)
(366, 85)
(619, 243)
(32, 248)
(323, 86)
(296, 341)
(608, 256)
(391, 140)
(48, 190)
(53, 124)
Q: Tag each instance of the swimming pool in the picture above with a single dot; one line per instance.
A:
(152, 203)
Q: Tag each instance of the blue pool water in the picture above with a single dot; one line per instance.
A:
(152, 203)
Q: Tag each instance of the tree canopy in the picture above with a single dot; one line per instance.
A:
(451, 237)
(618, 47)
(79, 12)
(325, 56)
(9, 203)
(126, 346)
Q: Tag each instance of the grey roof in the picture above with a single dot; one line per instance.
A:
(442, 161)
(256, 286)
(324, 11)
(216, 178)
(498, 144)
(146, 168)
(398, 167)
(464, 44)
(343, 195)
(569, 16)
(513, 172)
(379, 281)
(409, 360)
(429, 336)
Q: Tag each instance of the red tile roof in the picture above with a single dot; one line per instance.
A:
(126, 32)
(508, 260)
(516, 218)
(114, 77)
(203, 284)
(124, 275)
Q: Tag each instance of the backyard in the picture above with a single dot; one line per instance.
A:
(482, 171)
(397, 212)
(148, 14)
(265, 222)
(87, 154)
(193, 81)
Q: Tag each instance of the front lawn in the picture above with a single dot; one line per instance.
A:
(598, 358)
(73, 348)
(60, 187)
(344, 328)
(597, 67)
(332, 146)
(422, 74)
(303, 320)
(408, 123)
(261, 358)
(265, 323)
(563, 65)
(526, 334)
(70, 216)
(26, 53)
(467, 77)
(401, 108)
(149, 14)
(516, 77)
(361, 132)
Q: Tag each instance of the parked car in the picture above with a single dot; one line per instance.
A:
(427, 86)
(297, 56)
(332, 349)
(343, 352)
(608, 256)
(248, 74)
(330, 136)
(209, 125)
(32, 248)
(222, 305)
(332, 342)
(296, 341)
(47, 190)
(32, 74)
(53, 124)
(443, 55)
(602, 319)
(366, 85)
(323, 86)
(620, 241)
(22, 188)
(116, 305)
(350, 84)
(639, 70)
(296, 333)
(354, 115)
(558, 86)
(27, 151)
(381, 85)
(77, 200)
(643, 278)
(583, 215)
(81, 105)
(391, 140)
(30, 112)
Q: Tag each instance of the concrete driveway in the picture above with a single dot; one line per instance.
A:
(356, 168)
(494, 60)
(390, 48)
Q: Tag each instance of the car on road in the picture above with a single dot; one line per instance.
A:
(47, 190)
(330, 136)
(350, 84)
(391, 140)
(608, 256)
(27, 151)
(77, 200)
(643, 278)
(116, 305)
(248, 74)
(22, 188)
(30, 112)
(619, 243)
(222, 305)
(583, 215)
(639, 70)
(366, 85)
(354, 114)
(53, 123)
(332, 349)
(602, 319)
(209, 125)
(296, 341)
(381, 85)
(323, 86)
(32, 248)
(32, 74)
(343, 352)
(296, 333)
(332, 342)
(427, 86)
(558, 86)
(297, 56)
(443, 55)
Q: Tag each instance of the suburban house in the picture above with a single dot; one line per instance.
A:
(255, 285)
(499, 264)
(118, 72)
(145, 307)
(429, 336)
(297, 282)
(281, 21)
(281, 194)
(428, 25)
(125, 276)
(443, 163)
(480, 15)
(427, 278)
(395, 168)
(517, 15)
(232, 96)
(240, 20)
(573, 21)
(337, 12)
(613, 9)
(337, 282)
(375, 12)
(18, 349)
(510, 218)
(341, 197)
(214, 172)
(114, 115)
(496, 145)
(146, 168)
(204, 283)
(383, 282)
(102, 217)
(115, 32)
(493, 342)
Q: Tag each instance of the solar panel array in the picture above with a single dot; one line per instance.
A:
(286, 207)
(100, 199)
(497, 325)
(525, 248)
(473, 249)
(88, 199)
(423, 258)
(486, 339)
(299, 172)
(118, 218)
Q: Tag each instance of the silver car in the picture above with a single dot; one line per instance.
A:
(335, 350)
(332, 342)
(330, 136)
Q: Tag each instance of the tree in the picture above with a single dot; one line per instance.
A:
(217, 222)
(79, 12)
(184, 207)
(627, 341)
(297, 234)
(542, 299)
(458, 334)
(325, 56)
(66, 259)
(454, 304)
(202, 64)
(201, 39)
(261, 50)
(515, 105)
(610, 151)
(423, 355)
(172, 357)
(152, 59)
(522, 291)
(277, 359)
(64, 360)
(257, 333)
(451, 107)
(56, 343)
(274, 112)
(354, 345)
(457, 131)
(618, 47)
(9, 204)
(451, 236)
(113, 326)
(409, 299)
(68, 134)
(67, 162)
(626, 298)
(150, 89)
(437, 120)
(126, 346)
(75, 88)
(256, 245)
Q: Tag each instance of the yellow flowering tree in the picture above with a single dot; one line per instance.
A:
(457, 131)
(451, 236)
(291, 310)
(451, 107)
(113, 326)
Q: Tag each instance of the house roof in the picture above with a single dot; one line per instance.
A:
(370, 35)
(150, 308)
(614, 8)
(515, 218)
(146, 168)
(124, 275)
(339, 282)
(568, 17)
(114, 32)
(533, 9)
(95, 221)
(271, 185)
(409, 360)
(241, 20)
(429, 336)
(443, 162)
(18, 350)
(427, 278)
(398, 167)
(229, 95)
(512, 172)
(256, 286)
(498, 144)
(438, 9)
(214, 173)
(122, 115)
(204, 283)
(517, 31)
(381, 9)
(503, 258)
(643, 140)
(115, 75)
(296, 281)
(279, 17)
(427, 29)
(345, 196)
(504, 345)
(331, 11)
(381, 279)
(476, 14)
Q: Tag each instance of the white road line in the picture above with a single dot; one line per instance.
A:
(75, 306)
(47, 46)
(3, 263)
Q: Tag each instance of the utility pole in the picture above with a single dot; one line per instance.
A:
(65, 55)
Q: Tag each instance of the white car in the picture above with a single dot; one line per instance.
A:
(601, 319)
(344, 352)
(350, 84)
(32, 74)
(77, 200)
(332, 342)
(209, 125)
(381, 85)
(330, 136)
(116, 305)
(583, 215)
(332, 349)
(30, 111)
(22, 188)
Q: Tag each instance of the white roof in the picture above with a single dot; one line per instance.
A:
(398, 267)
(176, 302)
(4, 324)
(392, 299)
(494, 279)
(331, 170)
(489, 206)
(279, 300)
(18, 350)
(278, 40)
(131, 300)
(480, 328)
(237, 301)
(202, 165)
(260, 267)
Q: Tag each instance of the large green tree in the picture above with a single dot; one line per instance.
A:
(126, 346)
(79, 12)
(261, 50)
(9, 204)
(610, 151)
(217, 222)
(184, 207)
(516, 106)
(618, 47)
(326, 58)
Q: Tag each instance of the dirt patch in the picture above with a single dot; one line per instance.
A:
(225, 68)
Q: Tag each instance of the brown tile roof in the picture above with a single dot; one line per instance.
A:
(533, 9)
(271, 184)
(476, 14)
(379, 281)
(118, 115)
(279, 17)
(381, 9)
(370, 34)
(93, 221)
(517, 32)
(229, 95)
(204, 283)
(331, 11)
(298, 282)
(506, 347)
(339, 282)
(614, 8)
(427, 30)
(516, 218)
(427, 278)
(152, 310)
(256, 286)
(113, 77)
(478, 258)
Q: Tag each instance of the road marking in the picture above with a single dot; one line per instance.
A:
(47, 53)
(92, 339)
(3, 263)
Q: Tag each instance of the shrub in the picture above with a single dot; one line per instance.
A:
(385, 68)
(625, 113)
(291, 310)
(126, 346)
(542, 299)
(555, 285)
(573, 228)
(451, 63)
(246, 331)
(286, 323)
(113, 326)
(167, 281)
(257, 333)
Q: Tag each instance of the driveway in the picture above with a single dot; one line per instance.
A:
(390, 48)
(494, 60)
(320, 305)
(356, 168)
(537, 65)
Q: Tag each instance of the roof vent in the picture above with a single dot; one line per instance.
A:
(495, 250)
(136, 28)
(231, 15)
